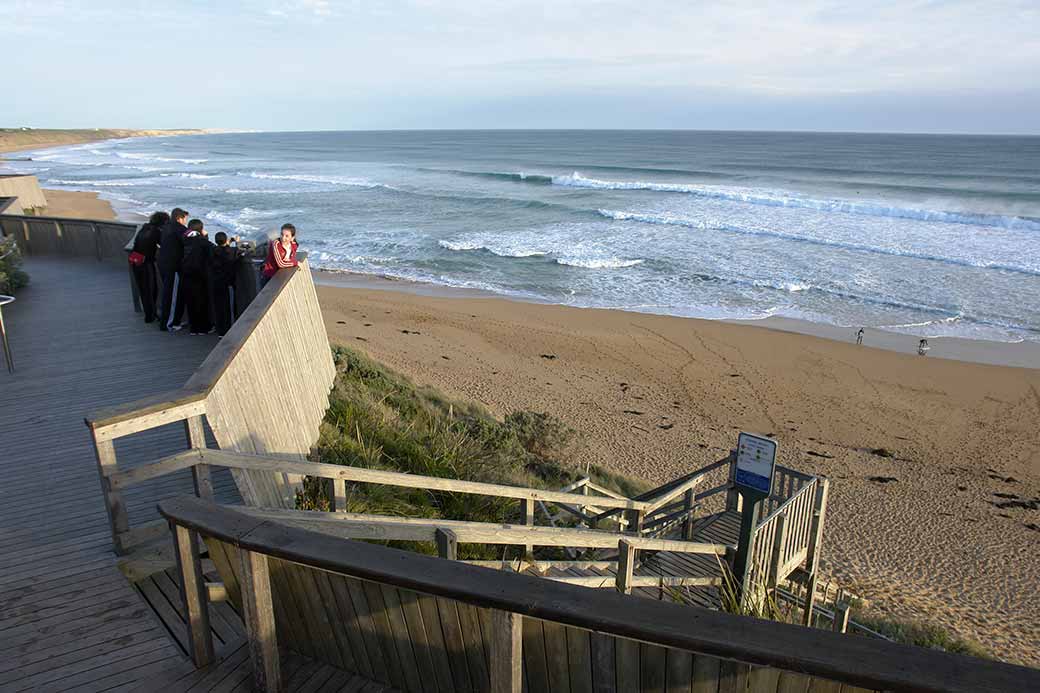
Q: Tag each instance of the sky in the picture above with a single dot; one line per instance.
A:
(900, 66)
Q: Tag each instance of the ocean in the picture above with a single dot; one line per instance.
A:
(924, 234)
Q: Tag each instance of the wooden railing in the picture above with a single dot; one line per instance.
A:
(101, 240)
(232, 392)
(367, 526)
(421, 623)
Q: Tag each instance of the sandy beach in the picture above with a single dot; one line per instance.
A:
(935, 463)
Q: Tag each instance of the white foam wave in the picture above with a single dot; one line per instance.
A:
(675, 220)
(330, 180)
(94, 183)
(193, 176)
(597, 263)
(233, 221)
(155, 157)
(780, 198)
(494, 250)
(240, 191)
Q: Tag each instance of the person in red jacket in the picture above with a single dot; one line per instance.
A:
(281, 253)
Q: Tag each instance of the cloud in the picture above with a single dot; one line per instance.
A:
(459, 54)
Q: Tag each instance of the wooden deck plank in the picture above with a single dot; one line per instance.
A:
(68, 618)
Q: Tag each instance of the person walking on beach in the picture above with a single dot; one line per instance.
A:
(194, 266)
(859, 337)
(171, 252)
(922, 347)
(223, 270)
(142, 261)
(281, 253)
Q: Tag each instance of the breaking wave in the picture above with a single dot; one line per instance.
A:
(778, 198)
(673, 220)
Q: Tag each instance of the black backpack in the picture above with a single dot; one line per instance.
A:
(195, 255)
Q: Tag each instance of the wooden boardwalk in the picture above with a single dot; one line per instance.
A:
(69, 619)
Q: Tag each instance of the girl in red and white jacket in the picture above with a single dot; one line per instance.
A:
(281, 253)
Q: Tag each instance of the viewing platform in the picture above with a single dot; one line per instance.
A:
(159, 547)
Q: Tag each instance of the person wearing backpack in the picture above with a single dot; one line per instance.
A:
(142, 261)
(194, 266)
(223, 270)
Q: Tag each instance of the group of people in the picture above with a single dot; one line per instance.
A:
(178, 269)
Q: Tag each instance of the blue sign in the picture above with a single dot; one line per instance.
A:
(756, 460)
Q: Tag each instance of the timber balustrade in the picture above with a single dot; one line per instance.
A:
(420, 623)
(38, 235)
(263, 389)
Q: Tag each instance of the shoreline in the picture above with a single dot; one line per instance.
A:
(977, 351)
(19, 140)
(1024, 354)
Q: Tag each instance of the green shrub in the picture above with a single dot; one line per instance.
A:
(12, 277)
(379, 419)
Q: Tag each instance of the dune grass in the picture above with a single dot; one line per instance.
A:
(930, 635)
(379, 419)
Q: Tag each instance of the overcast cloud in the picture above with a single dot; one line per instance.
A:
(339, 64)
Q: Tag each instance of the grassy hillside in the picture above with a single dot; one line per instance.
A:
(381, 420)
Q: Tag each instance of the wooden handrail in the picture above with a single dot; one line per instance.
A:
(858, 661)
(383, 527)
(271, 463)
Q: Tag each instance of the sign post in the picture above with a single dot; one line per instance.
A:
(756, 461)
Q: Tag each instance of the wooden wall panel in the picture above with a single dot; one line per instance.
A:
(272, 396)
(416, 642)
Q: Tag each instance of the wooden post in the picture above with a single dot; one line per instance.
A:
(841, 617)
(689, 501)
(25, 234)
(506, 655)
(194, 594)
(259, 618)
(626, 564)
(200, 474)
(338, 496)
(118, 522)
(743, 563)
(812, 559)
(527, 506)
(635, 521)
(734, 502)
(447, 544)
(779, 542)
(97, 240)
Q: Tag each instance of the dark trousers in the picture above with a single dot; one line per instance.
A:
(147, 279)
(223, 307)
(172, 312)
(196, 296)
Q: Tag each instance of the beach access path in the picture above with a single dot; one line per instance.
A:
(69, 619)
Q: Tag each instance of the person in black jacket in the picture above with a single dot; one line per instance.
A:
(146, 242)
(194, 270)
(171, 251)
(223, 268)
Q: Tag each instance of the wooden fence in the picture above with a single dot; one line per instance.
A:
(263, 389)
(420, 623)
(102, 240)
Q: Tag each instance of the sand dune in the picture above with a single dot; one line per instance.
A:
(918, 449)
